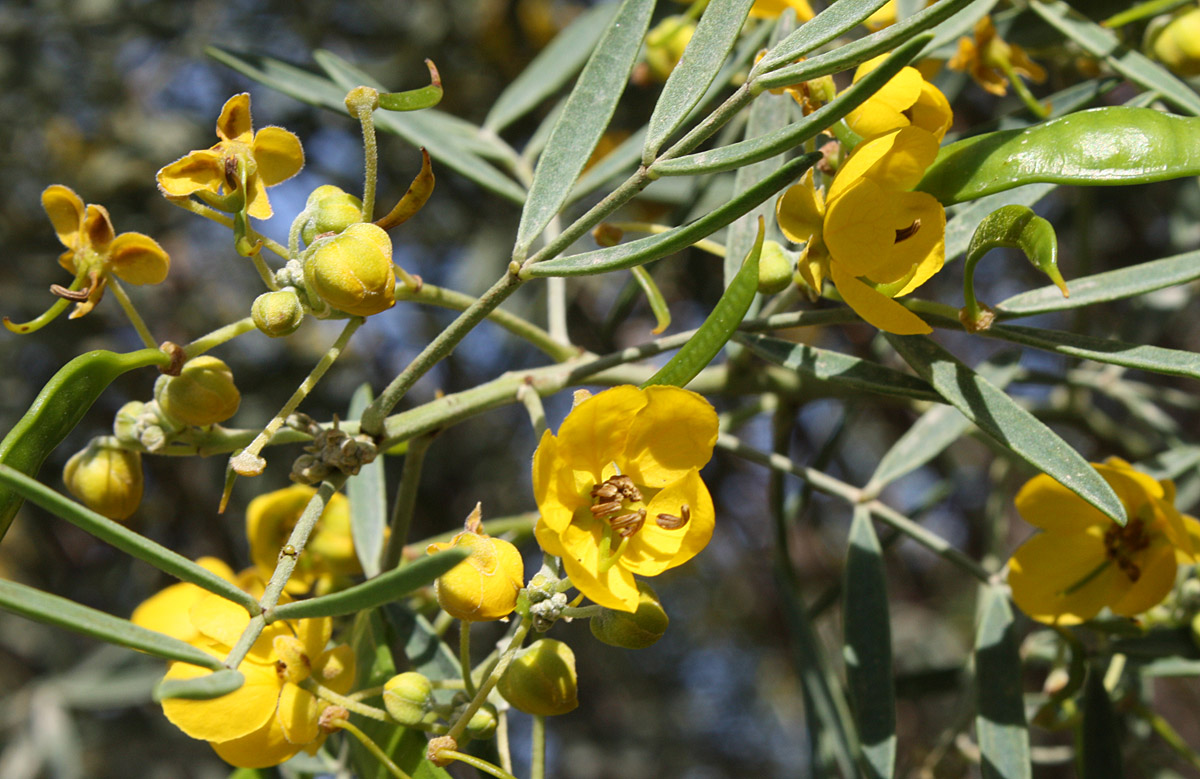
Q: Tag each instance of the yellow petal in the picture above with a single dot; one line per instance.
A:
(771, 9)
(298, 715)
(234, 122)
(932, 111)
(259, 206)
(167, 611)
(877, 309)
(335, 669)
(1025, 66)
(1157, 568)
(557, 492)
(1192, 530)
(883, 112)
(314, 634)
(800, 211)
(1045, 503)
(265, 747)
(278, 153)
(653, 549)
(860, 228)
(614, 589)
(897, 160)
(919, 238)
(138, 259)
(594, 433)
(97, 229)
(1131, 485)
(673, 434)
(65, 210)
(198, 170)
(223, 621)
(1055, 579)
(240, 712)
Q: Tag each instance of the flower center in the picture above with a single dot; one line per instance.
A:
(612, 502)
(1121, 543)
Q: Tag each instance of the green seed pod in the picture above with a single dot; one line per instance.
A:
(541, 679)
(106, 480)
(483, 722)
(353, 271)
(633, 630)
(407, 697)
(277, 313)
(202, 394)
(331, 210)
(774, 268)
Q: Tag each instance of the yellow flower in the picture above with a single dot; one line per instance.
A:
(884, 17)
(329, 553)
(1083, 561)
(991, 61)
(271, 717)
(771, 9)
(619, 488)
(94, 250)
(907, 99)
(270, 156)
(484, 586)
(1176, 43)
(871, 236)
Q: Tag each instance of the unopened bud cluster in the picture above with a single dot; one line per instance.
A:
(332, 450)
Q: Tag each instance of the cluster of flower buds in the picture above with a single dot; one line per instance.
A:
(332, 449)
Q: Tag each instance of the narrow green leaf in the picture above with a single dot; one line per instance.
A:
(654, 247)
(837, 19)
(839, 370)
(443, 136)
(64, 613)
(936, 429)
(960, 225)
(620, 160)
(1131, 64)
(553, 67)
(1171, 463)
(1011, 426)
(1100, 737)
(584, 119)
(700, 350)
(1000, 707)
(854, 54)
(200, 688)
(423, 647)
(760, 147)
(368, 499)
(868, 649)
(120, 537)
(710, 44)
(1103, 287)
(1110, 146)
(386, 587)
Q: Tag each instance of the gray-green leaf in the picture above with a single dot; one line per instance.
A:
(1000, 707)
(368, 499)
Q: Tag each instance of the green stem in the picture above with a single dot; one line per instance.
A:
(351, 704)
(217, 337)
(406, 501)
(1142, 11)
(502, 745)
(457, 729)
(50, 314)
(537, 749)
(1031, 102)
(372, 747)
(248, 462)
(1168, 734)
(130, 310)
(533, 404)
(478, 764)
(371, 163)
(464, 656)
(705, 244)
(200, 209)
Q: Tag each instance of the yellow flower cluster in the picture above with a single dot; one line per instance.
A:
(272, 716)
(1083, 562)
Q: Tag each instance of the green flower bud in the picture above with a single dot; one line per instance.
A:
(277, 313)
(774, 268)
(125, 424)
(541, 679)
(353, 271)
(106, 480)
(407, 697)
(330, 210)
(632, 630)
(483, 722)
(202, 394)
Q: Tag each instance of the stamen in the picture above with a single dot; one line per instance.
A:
(672, 522)
(908, 232)
(76, 295)
(601, 510)
(628, 524)
(605, 491)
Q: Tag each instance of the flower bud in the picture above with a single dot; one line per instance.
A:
(277, 313)
(202, 394)
(632, 630)
(541, 679)
(774, 268)
(484, 586)
(407, 697)
(353, 271)
(483, 722)
(331, 210)
(125, 423)
(106, 480)
(665, 45)
(1176, 43)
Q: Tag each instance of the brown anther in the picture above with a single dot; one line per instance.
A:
(605, 491)
(78, 295)
(231, 173)
(672, 522)
(626, 487)
(908, 232)
(607, 508)
(628, 524)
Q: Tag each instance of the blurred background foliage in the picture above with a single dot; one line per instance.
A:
(98, 94)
